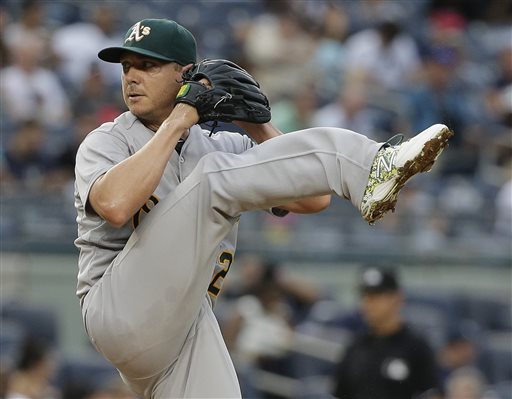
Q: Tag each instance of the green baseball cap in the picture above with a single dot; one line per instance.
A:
(158, 38)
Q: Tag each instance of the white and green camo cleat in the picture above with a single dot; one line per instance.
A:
(394, 165)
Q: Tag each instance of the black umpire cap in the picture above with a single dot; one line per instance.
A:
(378, 279)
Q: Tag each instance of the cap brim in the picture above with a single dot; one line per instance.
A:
(113, 54)
(377, 290)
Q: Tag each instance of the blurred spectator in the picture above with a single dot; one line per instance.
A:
(329, 56)
(290, 115)
(460, 197)
(5, 374)
(252, 271)
(26, 163)
(449, 29)
(499, 95)
(4, 52)
(503, 204)
(62, 172)
(493, 11)
(349, 111)
(467, 383)
(446, 27)
(368, 14)
(33, 374)
(30, 26)
(258, 331)
(276, 47)
(440, 95)
(384, 55)
(260, 327)
(459, 351)
(504, 74)
(77, 46)
(390, 361)
(29, 91)
(94, 97)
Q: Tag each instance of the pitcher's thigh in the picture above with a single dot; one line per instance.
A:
(142, 310)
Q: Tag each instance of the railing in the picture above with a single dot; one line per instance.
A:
(46, 223)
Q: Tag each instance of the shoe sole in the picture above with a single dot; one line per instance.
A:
(423, 162)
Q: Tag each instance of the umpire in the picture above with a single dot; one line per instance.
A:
(389, 361)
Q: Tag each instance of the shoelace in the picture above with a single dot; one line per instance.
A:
(395, 140)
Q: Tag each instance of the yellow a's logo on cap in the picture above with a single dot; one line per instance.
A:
(138, 32)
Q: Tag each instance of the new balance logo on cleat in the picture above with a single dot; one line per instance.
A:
(393, 166)
(385, 162)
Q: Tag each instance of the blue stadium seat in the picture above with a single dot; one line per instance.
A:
(38, 321)
(429, 322)
(502, 390)
(490, 313)
(77, 377)
(495, 359)
(11, 338)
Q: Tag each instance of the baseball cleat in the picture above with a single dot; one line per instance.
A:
(394, 165)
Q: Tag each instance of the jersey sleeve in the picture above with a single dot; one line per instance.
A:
(96, 155)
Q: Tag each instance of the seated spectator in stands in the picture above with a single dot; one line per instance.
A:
(384, 55)
(259, 332)
(31, 24)
(96, 98)
(459, 351)
(467, 383)
(259, 327)
(440, 94)
(349, 111)
(30, 91)
(503, 204)
(328, 59)
(25, 160)
(5, 374)
(277, 47)
(252, 271)
(504, 74)
(99, 29)
(62, 173)
(32, 376)
(295, 113)
(390, 361)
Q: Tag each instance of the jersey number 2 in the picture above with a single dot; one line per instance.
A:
(225, 260)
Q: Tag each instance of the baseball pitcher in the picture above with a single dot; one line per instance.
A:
(159, 200)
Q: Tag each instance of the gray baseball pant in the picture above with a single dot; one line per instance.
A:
(149, 314)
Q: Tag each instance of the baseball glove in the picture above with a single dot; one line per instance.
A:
(234, 94)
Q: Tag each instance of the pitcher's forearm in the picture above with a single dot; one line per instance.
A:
(260, 132)
(120, 192)
(309, 204)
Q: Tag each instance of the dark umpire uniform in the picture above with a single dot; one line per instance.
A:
(390, 361)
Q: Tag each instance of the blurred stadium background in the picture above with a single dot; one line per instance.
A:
(321, 63)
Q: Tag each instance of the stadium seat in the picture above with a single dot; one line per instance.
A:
(490, 313)
(502, 390)
(79, 376)
(36, 320)
(495, 359)
(11, 337)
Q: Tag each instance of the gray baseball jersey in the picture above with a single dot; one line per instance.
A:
(143, 287)
(100, 243)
